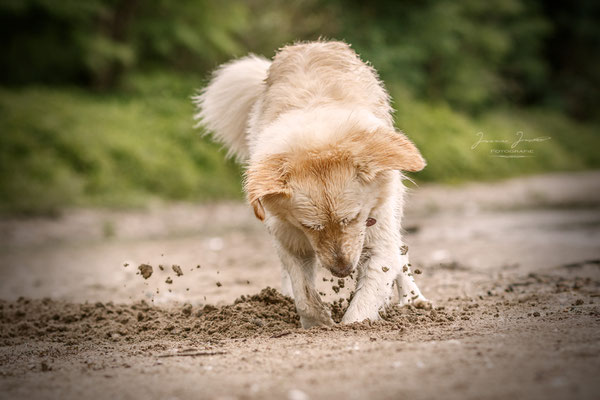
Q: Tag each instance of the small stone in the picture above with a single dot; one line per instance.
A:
(219, 284)
(536, 314)
(169, 280)
(385, 269)
(403, 250)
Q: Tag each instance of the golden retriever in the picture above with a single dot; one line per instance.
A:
(323, 169)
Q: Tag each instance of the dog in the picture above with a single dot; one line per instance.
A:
(323, 170)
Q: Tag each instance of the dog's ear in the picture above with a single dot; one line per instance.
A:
(385, 149)
(265, 178)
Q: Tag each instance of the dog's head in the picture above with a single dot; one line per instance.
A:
(330, 192)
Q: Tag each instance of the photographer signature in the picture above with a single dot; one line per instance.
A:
(520, 139)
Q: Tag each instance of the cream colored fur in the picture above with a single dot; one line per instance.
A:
(225, 104)
(315, 130)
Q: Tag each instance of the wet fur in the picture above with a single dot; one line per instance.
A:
(314, 127)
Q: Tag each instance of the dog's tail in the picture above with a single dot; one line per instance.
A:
(225, 104)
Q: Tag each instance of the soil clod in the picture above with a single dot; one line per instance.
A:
(145, 270)
(177, 270)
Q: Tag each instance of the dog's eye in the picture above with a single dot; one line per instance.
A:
(313, 227)
(371, 221)
(347, 221)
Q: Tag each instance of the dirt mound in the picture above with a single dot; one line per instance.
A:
(266, 313)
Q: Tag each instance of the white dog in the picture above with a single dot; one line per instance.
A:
(323, 169)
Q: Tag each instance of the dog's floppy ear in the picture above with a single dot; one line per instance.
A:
(264, 178)
(385, 149)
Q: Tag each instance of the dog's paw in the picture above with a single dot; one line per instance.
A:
(313, 313)
(352, 318)
(354, 315)
(419, 302)
(309, 322)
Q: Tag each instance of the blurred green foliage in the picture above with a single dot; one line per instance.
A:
(95, 100)
(472, 54)
(69, 148)
(446, 138)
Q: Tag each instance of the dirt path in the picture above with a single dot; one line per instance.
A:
(513, 269)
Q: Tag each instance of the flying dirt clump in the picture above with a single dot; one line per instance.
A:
(177, 270)
(145, 270)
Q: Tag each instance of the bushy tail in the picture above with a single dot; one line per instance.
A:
(225, 104)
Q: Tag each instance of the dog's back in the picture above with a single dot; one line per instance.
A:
(247, 94)
(321, 74)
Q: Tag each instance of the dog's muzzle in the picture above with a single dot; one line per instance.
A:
(341, 269)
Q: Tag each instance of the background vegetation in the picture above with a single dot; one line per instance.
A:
(95, 95)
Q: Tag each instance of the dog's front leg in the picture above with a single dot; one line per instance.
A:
(301, 274)
(374, 285)
(286, 284)
(408, 291)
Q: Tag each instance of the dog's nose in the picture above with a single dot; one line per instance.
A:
(342, 273)
(341, 269)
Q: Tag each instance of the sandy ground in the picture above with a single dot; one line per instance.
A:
(513, 269)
